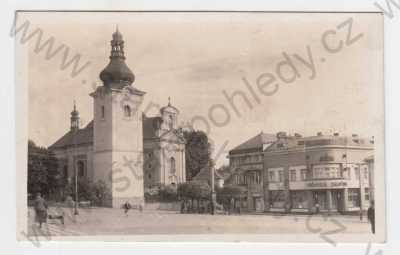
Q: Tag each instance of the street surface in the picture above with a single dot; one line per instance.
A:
(108, 221)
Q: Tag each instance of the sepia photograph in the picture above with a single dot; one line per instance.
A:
(200, 126)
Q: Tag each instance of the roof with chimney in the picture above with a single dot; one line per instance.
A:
(254, 144)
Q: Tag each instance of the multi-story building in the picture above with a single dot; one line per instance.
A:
(325, 173)
(246, 162)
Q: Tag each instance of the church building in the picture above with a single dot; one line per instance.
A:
(121, 146)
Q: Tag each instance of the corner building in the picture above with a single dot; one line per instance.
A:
(322, 173)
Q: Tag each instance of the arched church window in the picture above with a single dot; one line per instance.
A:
(171, 121)
(81, 168)
(172, 165)
(127, 111)
(102, 112)
(65, 172)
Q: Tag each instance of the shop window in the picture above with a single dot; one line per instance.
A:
(299, 199)
(277, 198)
(354, 197)
(292, 175)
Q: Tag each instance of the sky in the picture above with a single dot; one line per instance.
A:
(201, 59)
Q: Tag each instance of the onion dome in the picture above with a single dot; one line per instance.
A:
(74, 112)
(117, 73)
(74, 118)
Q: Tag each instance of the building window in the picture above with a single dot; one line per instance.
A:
(292, 175)
(258, 177)
(149, 176)
(271, 176)
(81, 168)
(357, 173)
(303, 173)
(346, 173)
(365, 173)
(354, 197)
(280, 175)
(149, 155)
(172, 165)
(326, 171)
(171, 122)
(127, 111)
(65, 172)
(103, 114)
(149, 166)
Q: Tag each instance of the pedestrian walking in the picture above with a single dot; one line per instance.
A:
(127, 206)
(371, 216)
(40, 209)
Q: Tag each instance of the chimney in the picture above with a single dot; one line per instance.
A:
(281, 135)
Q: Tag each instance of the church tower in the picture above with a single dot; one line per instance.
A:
(74, 119)
(169, 115)
(118, 138)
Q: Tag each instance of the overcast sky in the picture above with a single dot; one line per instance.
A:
(194, 57)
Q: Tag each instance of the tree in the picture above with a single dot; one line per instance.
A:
(100, 193)
(194, 191)
(198, 152)
(227, 193)
(43, 173)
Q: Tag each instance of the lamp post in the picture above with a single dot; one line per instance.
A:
(213, 195)
(360, 181)
(76, 177)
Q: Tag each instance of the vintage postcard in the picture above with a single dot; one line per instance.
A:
(200, 126)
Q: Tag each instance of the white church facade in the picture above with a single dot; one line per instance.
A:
(122, 146)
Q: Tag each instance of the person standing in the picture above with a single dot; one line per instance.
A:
(40, 210)
(371, 216)
(127, 207)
